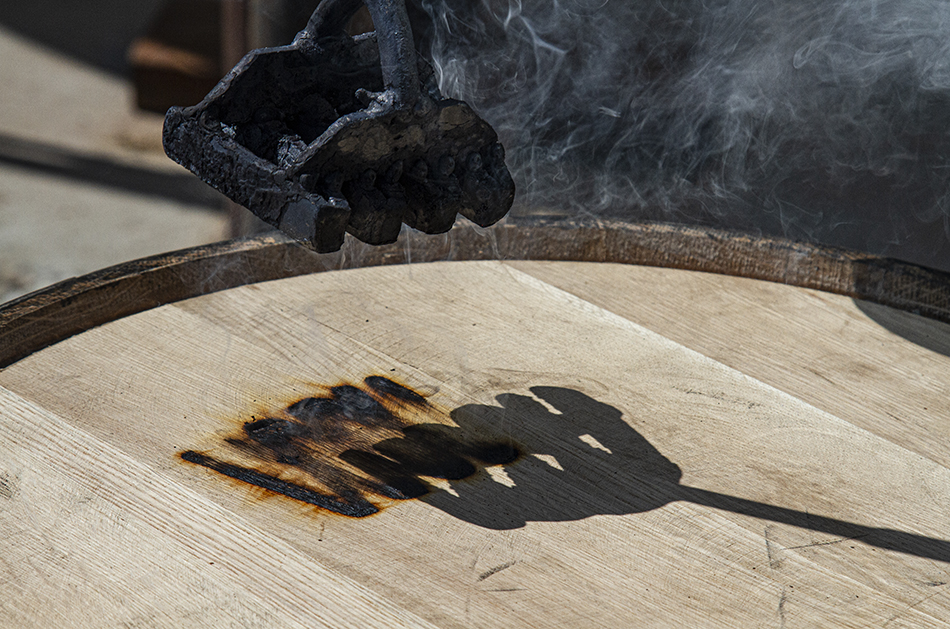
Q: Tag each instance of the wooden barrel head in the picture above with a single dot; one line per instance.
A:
(481, 443)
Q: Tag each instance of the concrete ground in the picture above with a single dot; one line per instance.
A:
(84, 183)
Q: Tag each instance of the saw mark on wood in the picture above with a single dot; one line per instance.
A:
(910, 608)
(496, 570)
(354, 448)
(9, 486)
(781, 607)
(828, 543)
(774, 562)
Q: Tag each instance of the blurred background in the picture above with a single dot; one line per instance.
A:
(814, 120)
(84, 182)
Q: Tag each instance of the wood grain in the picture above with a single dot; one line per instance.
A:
(879, 368)
(37, 320)
(657, 486)
(93, 538)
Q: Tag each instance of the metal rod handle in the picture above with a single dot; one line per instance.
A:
(397, 54)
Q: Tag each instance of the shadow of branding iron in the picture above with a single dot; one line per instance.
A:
(334, 133)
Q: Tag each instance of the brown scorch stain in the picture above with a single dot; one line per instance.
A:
(354, 449)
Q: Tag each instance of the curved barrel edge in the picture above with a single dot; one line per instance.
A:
(42, 318)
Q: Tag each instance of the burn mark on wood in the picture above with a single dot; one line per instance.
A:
(385, 386)
(271, 483)
(354, 448)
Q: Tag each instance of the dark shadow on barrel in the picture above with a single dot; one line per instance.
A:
(606, 467)
(557, 456)
(927, 333)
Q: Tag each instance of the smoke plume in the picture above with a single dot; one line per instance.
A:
(818, 119)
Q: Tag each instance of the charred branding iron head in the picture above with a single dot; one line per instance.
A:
(334, 133)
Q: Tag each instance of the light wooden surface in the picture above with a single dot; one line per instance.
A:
(800, 481)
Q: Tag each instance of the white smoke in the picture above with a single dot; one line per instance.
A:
(823, 119)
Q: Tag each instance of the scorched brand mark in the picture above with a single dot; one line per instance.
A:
(340, 450)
